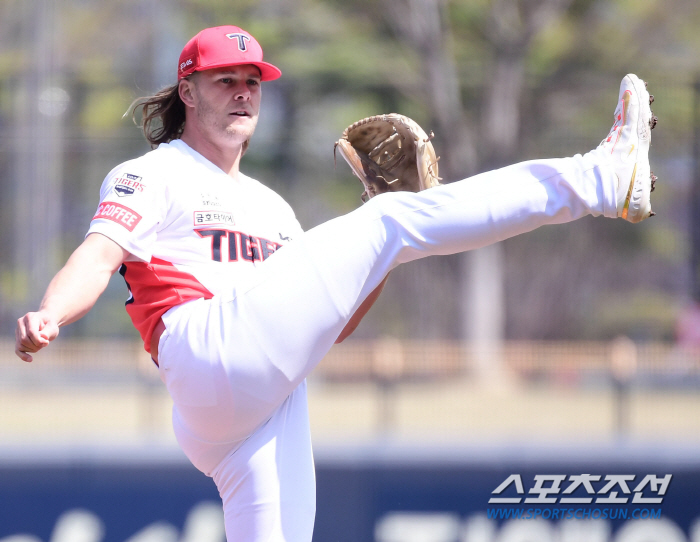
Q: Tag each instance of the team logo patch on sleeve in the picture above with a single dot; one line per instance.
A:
(123, 190)
(118, 213)
(127, 184)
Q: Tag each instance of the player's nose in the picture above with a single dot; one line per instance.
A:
(241, 91)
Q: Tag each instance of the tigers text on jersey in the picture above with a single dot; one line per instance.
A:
(191, 229)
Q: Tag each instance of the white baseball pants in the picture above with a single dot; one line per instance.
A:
(235, 365)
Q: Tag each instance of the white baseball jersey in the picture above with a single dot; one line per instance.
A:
(191, 229)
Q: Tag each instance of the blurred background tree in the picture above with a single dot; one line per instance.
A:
(496, 80)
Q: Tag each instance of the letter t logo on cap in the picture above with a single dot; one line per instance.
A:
(242, 38)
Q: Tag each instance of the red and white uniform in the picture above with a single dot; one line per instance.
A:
(191, 230)
(248, 315)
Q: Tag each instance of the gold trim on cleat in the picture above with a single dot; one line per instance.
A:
(625, 209)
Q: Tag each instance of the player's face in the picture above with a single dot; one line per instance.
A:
(227, 103)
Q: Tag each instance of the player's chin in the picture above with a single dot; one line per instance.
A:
(241, 130)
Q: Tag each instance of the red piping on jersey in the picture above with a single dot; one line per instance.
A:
(155, 288)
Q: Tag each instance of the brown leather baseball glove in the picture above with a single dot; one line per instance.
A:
(389, 153)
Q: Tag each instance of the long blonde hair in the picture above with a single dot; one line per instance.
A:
(162, 115)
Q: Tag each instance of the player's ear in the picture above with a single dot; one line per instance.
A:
(185, 89)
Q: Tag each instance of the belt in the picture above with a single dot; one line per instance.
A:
(157, 332)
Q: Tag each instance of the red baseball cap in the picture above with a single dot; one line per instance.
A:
(223, 46)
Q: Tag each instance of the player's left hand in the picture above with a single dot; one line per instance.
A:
(389, 153)
(34, 331)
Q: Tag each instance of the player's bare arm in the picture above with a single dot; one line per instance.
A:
(71, 293)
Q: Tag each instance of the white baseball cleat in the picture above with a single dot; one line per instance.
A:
(628, 147)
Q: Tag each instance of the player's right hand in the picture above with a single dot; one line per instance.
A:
(35, 330)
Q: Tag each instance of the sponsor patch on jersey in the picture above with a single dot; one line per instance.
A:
(118, 213)
(207, 218)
